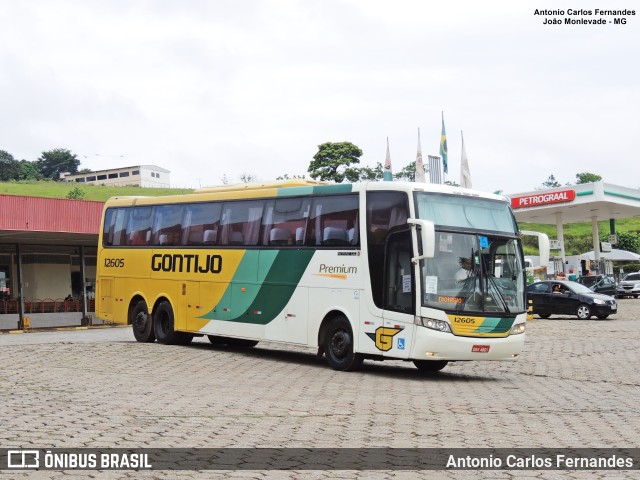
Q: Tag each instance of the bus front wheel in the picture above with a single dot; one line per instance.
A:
(141, 322)
(338, 346)
(163, 322)
(430, 365)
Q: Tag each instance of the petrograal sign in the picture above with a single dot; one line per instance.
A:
(539, 199)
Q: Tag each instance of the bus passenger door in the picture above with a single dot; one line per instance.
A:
(399, 296)
(189, 306)
(105, 296)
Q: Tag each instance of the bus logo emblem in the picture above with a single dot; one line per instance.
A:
(383, 338)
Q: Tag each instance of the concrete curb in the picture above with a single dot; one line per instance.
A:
(58, 329)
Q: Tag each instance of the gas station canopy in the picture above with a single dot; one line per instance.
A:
(586, 202)
(577, 203)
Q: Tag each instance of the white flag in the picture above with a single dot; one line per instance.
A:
(420, 176)
(465, 173)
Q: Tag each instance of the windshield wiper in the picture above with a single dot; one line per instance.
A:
(500, 297)
(468, 291)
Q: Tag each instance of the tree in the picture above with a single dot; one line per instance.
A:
(29, 171)
(9, 167)
(408, 173)
(333, 162)
(247, 178)
(54, 162)
(551, 182)
(371, 174)
(76, 194)
(287, 177)
(587, 177)
(629, 241)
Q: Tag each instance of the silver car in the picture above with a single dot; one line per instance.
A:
(629, 286)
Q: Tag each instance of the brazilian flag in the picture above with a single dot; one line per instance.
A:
(443, 148)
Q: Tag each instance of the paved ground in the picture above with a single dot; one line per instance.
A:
(575, 386)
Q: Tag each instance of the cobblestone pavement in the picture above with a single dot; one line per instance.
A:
(576, 385)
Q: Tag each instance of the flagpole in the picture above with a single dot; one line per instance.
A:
(420, 175)
(387, 175)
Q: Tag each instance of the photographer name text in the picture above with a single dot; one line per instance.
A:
(584, 16)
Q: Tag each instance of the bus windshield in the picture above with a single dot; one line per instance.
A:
(477, 267)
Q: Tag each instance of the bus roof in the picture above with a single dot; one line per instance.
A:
(294, 187)
(293, 182)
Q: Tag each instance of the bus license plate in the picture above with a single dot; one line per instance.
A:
(480, 348)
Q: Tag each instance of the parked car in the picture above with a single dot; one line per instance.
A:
(556, 297)
(629, 286)
(599, 283)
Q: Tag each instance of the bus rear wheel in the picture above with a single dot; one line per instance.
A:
(430, 365)
(163, 324)
(141, 322)
(338, 346)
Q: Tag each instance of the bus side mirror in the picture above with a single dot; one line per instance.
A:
(543, 245)
(427, 237)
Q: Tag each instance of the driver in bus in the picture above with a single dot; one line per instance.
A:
(465, 269)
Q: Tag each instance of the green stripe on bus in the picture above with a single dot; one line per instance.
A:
(250, 274)
(262, 301)
(280, 284)
(495, 325)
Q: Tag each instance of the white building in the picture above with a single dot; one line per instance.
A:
(140, 175)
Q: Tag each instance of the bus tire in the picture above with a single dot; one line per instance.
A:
(141, 322)
(241, 343)
(163, 321)
(217, 340)
(430, 365)
(338, 346)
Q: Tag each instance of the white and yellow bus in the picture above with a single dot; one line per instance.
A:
(381, 270)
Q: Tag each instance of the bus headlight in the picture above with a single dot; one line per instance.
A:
(433, 324)
(518, 328)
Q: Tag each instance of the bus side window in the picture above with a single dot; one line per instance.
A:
(109, 226)
(284, 221)
(119, 231)
(167, 228)
(200, 218)
(241, 223)
(331, 219)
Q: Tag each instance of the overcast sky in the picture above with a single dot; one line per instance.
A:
(225, 87)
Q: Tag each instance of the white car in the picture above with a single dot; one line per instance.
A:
(629, 286)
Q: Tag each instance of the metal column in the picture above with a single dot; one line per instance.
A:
(86, 320)
(20, 293)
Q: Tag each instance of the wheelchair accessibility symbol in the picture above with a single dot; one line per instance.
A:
(401, 344)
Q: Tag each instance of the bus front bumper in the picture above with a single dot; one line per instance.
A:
(433, 345)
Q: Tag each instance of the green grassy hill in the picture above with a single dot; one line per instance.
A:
(577, 236)
(50, 189)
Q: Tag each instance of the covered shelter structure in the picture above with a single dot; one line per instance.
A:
(615, 255)
(48, 250)
(587, 202)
